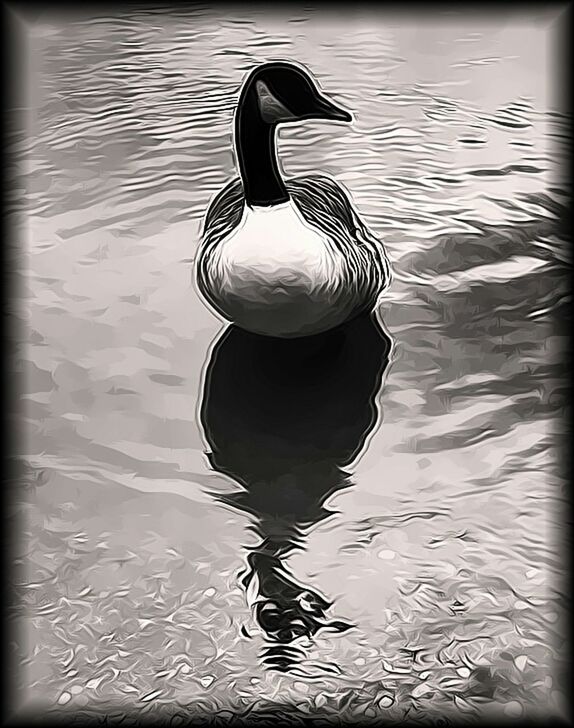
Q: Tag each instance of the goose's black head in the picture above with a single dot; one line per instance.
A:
(280, 92)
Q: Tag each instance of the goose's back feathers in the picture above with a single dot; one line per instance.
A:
(358, 267)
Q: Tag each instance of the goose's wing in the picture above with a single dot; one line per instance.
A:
(223, 216)
(224, 212)
(325, 204)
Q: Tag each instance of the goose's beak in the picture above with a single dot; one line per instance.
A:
(326, 109)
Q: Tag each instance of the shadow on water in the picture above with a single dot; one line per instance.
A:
(283, 418)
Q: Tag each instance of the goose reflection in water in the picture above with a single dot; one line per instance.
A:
(283, 418)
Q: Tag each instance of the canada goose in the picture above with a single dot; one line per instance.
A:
(285, 258)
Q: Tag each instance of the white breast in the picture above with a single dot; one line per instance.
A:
(275, 247)
(276, 274)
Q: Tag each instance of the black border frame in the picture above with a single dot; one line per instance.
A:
(16, 15)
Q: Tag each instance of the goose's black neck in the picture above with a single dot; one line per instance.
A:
(257, 155)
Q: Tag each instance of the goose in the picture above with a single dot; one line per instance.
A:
(285, 258)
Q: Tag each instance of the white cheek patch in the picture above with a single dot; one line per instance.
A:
(269, 105)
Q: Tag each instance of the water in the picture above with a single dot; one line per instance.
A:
(391, 493)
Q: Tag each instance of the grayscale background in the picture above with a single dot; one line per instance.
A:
(446, 551)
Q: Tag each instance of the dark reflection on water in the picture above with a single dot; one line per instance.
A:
(284, 418)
